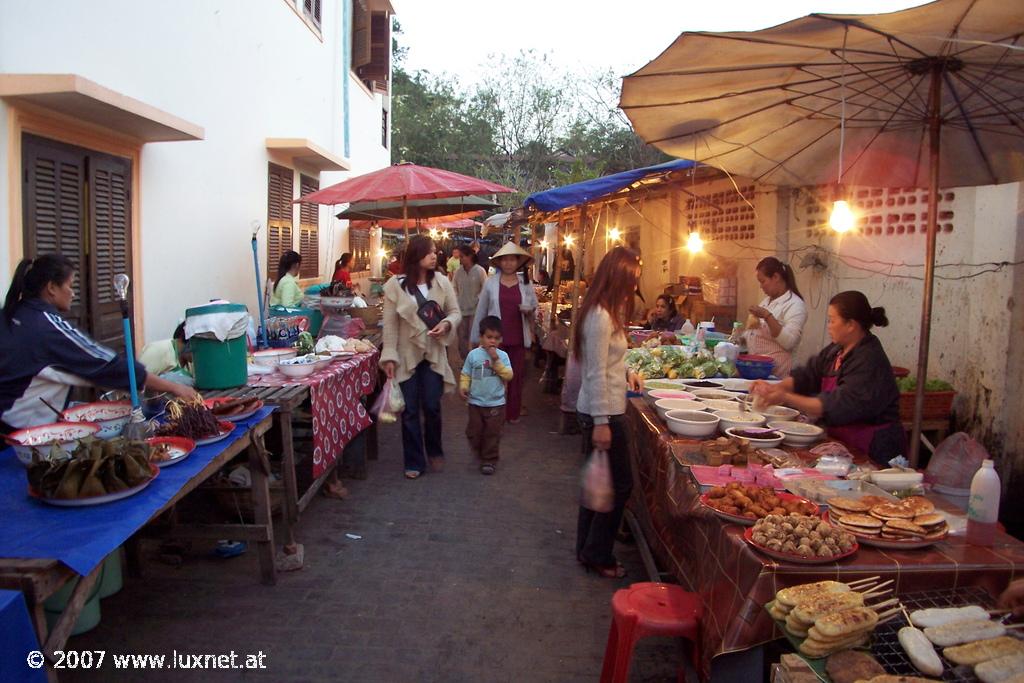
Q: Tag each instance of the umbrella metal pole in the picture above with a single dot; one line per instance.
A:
(934, 134)
(581, 253)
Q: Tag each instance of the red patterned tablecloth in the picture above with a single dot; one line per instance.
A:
(709, 556)
(338, 413)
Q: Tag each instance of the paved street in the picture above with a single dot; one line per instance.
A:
(455, 577)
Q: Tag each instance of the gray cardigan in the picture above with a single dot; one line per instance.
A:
(604, 386)
(489, 305)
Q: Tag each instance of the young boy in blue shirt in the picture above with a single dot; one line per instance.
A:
(484, 375)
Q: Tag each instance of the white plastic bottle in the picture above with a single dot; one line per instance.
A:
(983, 508)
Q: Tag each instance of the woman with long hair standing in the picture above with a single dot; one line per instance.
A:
(777, 323)
(43, 356)
(509, 296)
(414, 354)
(599, 347)
(286, 287)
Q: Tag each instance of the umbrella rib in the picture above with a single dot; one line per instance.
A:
(752, 91)
(1013, 118)
(856, 24)
(758, 67)
(979, 86)
(970, 127)
(874, 97)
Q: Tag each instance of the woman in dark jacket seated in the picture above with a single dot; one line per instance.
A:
(849, 386)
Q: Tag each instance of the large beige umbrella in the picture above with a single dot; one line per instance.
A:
(926, 97)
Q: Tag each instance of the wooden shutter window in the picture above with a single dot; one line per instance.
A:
(309, 229)
(361, 54)
(377, 70)
(54, 209)
(280, 184)
(110, 248)
(359, 245)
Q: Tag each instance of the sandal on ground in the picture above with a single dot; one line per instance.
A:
(336, 491)
(487, 468)
(412, 474)
(615, 571)
(436, 464)
(513, 422)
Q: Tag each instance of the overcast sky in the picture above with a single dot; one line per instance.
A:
(456, 36)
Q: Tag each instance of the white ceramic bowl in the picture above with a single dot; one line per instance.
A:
(667, 404)
(896, 481)
(42, 437)
(660, 394)
(797, 434)
(776, 413)
(692, 423)
(297, 371)
(715, 394)
(715, 404)
(701, 382)
(271, 357)
(111, 416)
(734, 418)
(757, 443)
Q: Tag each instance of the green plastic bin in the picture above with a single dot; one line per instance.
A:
(315, 317)
(219, 364)
(88, 618)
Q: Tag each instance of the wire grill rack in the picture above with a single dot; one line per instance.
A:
(885, 645)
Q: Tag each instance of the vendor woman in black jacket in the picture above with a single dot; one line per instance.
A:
(849, 386)
(42, 356)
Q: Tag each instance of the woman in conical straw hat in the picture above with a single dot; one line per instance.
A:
(510, 297)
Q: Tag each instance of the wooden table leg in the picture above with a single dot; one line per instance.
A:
(291, 492)
(371, 441)
(79, 596)
(259, 466)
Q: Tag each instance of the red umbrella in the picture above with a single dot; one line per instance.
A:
(403, 182)
(458, 220)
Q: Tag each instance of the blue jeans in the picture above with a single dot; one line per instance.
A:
(422, 393)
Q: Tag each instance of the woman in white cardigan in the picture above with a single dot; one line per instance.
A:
(415, 356)
(508, 297)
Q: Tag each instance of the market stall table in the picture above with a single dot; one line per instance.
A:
(339, 417)
(709, 556)
(42, 547)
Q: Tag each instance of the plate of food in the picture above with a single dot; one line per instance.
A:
(789, 539)
(908, 524)
(233, 409)
(96, 473)
(746, 504)
(225, 428)
(169, 450)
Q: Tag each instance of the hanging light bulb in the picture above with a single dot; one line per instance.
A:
(444, 234)
(841, 219)
(694, 243)
(614, 234)
(382, 254)
(569, 240)
(543, 244)
(433, 233)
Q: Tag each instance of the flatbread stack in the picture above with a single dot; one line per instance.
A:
(840, 630)
(911, 519)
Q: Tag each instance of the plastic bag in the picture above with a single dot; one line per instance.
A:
(954, 463)
(389, 404)
(596, 491)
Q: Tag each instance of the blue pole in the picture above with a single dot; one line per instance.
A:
(259, 294)
(129, 351)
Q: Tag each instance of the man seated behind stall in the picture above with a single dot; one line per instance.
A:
(168, 355)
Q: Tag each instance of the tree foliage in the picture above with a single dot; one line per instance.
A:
(531, 126)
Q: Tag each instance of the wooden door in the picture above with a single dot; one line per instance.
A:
(77, 202)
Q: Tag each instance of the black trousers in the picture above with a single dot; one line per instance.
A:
(595, 531)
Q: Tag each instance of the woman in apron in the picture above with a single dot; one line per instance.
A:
(849, 386)
(776, 325)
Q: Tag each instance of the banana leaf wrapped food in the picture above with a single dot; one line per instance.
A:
(95, 468)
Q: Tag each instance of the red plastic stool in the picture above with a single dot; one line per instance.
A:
(649, 609)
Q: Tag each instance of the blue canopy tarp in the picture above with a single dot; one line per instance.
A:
(589, 190)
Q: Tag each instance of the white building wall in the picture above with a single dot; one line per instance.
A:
(245, 71)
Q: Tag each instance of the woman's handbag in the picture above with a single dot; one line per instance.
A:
(596, 492)
(429, 311)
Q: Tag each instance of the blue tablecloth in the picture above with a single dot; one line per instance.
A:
(17, 639)
(81, 537)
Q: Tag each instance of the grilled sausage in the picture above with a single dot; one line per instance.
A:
(920, 651)
(847, 621)
(1001, 669)
(983, 650)
(937, 616)
(958, 632)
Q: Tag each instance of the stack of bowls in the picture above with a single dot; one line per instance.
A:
(666, 404)
(695, 424)
(754, 367)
